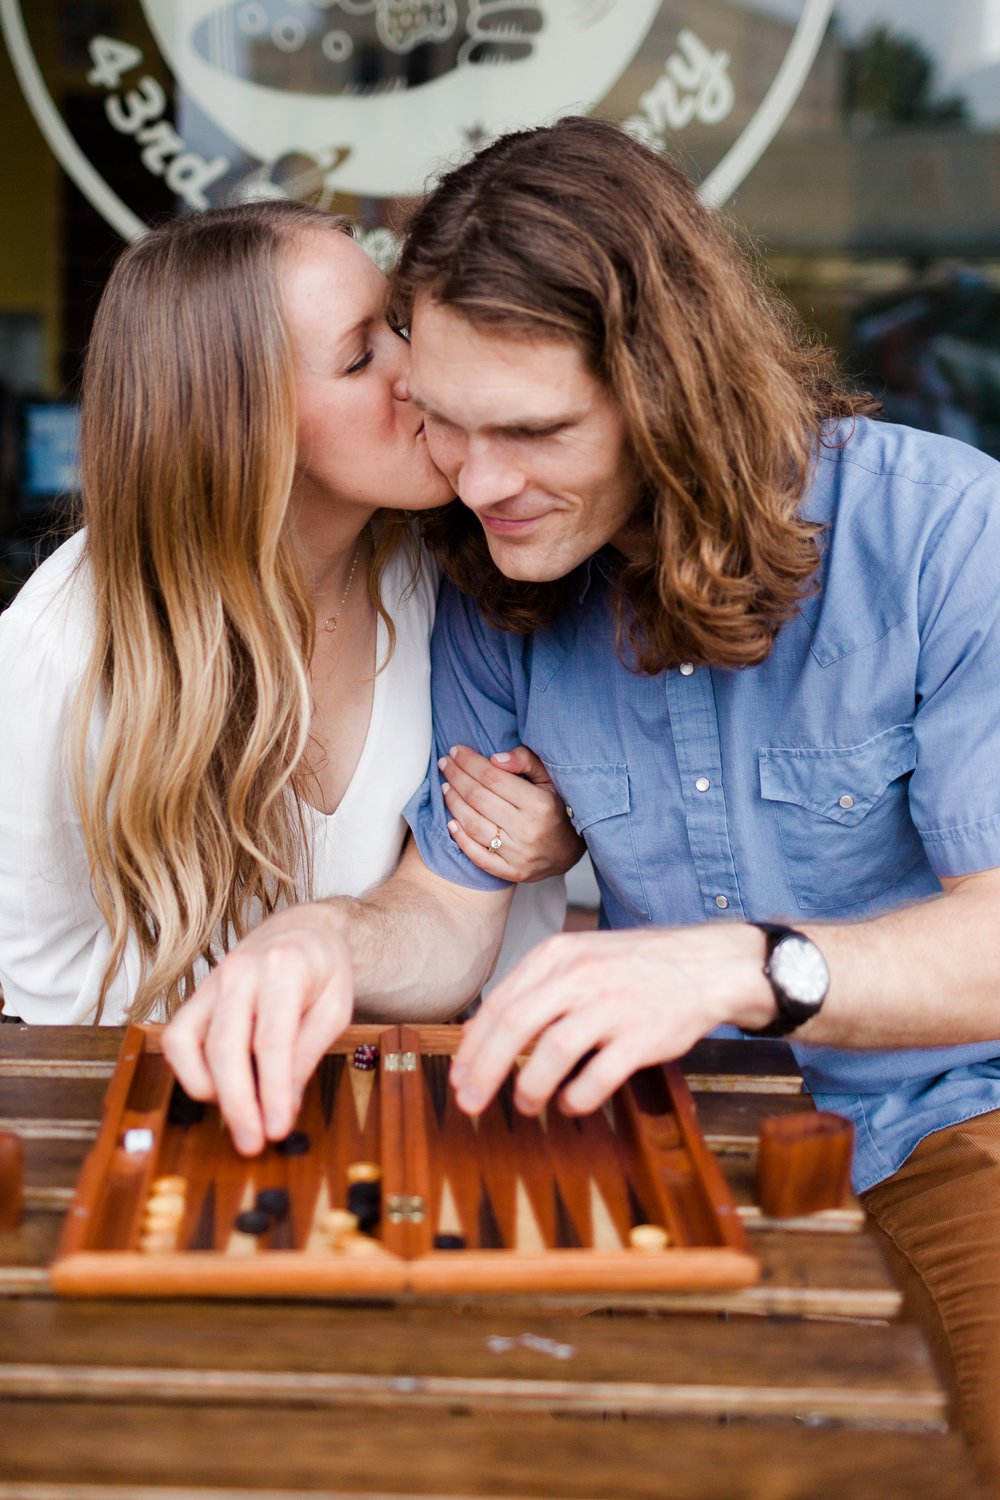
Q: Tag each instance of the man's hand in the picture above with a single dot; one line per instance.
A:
(630, 998)
(272, 1007)
(416, 949)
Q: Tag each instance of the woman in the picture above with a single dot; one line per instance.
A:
(217, 694)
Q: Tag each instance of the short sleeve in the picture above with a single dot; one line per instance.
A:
(955, 787)
(474, 703)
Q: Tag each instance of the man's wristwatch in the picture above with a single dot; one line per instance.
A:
(798, 976)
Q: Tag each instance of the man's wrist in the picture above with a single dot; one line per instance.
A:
(755, 1006)
(340, 919)
(724, 964)
(798, 975)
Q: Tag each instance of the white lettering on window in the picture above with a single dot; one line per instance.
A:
(139, 113)
(694, 85)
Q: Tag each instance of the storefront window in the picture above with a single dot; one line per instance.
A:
(857, 140)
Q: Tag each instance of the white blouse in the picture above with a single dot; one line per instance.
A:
(54, 942)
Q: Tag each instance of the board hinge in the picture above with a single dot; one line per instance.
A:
(405, 1208)
(400, 1062)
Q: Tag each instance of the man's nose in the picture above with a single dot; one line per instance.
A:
(485, 476)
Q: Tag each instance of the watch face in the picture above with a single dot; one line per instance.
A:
(800, 969)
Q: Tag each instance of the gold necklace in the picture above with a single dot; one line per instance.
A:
(329, 625)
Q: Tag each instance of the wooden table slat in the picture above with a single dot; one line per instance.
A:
(804, 1403)
(61, 1043)
(422, 1342)
(396, 1451)
(722, 1056)
(52, 1098)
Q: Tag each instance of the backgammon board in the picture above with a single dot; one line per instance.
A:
(385, 1188)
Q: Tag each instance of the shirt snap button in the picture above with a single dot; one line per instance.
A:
(846, 801)
(686, 668)
(569, 811)
(722, 902)
(702, 784)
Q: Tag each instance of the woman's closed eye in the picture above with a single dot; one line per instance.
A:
(361, 362)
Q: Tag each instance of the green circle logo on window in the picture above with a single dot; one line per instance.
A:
(356, 104)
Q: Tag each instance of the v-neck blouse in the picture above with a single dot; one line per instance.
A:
(54, 942)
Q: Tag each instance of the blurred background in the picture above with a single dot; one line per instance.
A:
(857, 140)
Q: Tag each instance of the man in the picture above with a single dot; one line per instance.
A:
(755, 639)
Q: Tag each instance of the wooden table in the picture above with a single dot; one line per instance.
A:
(807, 1384)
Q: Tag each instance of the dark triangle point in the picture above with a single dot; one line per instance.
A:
(567, 1236)
(505, 1098)
(436, 1080)
(490, 1237)
(637, 1212)
(331, 1070)
(203, 1237)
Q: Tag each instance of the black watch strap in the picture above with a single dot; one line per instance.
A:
(792, 1013)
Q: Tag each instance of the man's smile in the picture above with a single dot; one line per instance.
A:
(507, 525)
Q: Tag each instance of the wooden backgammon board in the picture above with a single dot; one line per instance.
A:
(385, 1188)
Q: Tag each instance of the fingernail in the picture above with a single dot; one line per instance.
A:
(246, 1143)
(443, 763)
(452, 826)
(453, 750)
(468, 1100)
(275, 1127)
(459, 1073)
(501, 758)
(445, 787)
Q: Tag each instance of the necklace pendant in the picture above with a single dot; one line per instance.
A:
(329, 625)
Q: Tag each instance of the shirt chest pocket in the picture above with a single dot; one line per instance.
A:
(843, 816)
(598, 800)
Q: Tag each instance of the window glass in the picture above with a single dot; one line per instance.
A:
(857, 140)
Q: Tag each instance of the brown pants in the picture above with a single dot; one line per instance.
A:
(938, 1219)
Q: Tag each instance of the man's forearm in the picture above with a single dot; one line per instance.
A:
(925, 976)
(419, 954)
(612, 1002)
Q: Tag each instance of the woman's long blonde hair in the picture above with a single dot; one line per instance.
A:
(204, 629)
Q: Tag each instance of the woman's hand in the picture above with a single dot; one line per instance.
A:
(508, 801)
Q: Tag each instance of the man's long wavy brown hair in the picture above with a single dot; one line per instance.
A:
(189, 792)
(575, 231)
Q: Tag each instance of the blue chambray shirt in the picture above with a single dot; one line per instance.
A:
(837, 780)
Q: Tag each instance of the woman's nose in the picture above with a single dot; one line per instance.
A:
(401, 383)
